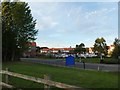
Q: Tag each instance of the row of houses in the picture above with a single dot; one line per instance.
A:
(31, 52)
(56, 50)
(64, 50)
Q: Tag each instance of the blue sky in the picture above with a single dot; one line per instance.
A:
(65, 24)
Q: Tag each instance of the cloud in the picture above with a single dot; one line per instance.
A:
(44, 8)
(73, 12)
(53, 24)
(74, 23)
(95, 21)
(46, 22)
(54, 35)
(51, 43)
(62, 30)
(98, 13)
(44, 13)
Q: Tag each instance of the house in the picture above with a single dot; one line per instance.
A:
(31, 52)
(44, 50)
(89, 50)
(110, 50)
(56, 50)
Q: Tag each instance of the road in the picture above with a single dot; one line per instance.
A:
(88, 66)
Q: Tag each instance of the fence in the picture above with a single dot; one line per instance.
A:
(46, 81)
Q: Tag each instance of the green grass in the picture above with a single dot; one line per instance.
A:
(72, 76)
(97, 60)
(89, 60)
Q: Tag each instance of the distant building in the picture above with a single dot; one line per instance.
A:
(110, 49)
(31, 52)
(56, 50)
(89, 50)
(44, 50)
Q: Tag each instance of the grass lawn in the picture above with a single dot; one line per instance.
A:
(88, 60)
(97, 60)
(72, 76)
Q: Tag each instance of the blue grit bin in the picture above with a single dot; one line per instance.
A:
(70, 61)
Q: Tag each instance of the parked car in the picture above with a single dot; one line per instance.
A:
(82, 55)
(64, 55)
(60, 55)
(91, 55)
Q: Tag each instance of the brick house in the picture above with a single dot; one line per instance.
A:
(56, 50)
(31, 52)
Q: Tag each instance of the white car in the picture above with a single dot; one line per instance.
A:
(61, 55)
(91, 55)
(64, 55)
(82, 55)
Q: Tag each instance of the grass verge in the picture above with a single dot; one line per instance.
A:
(97, 60)
(72, 76)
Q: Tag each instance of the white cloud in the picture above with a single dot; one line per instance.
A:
(95, 21)
(54, 35)
(62, 30)
(44, 8)
(98, 13)
(43, 12)
(73, 12)
(46, 22)
(53, 24)
(50, 44)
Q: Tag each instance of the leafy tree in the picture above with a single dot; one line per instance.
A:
(82, 45)
(18, 28)
(80, 48)
(7, 32)
(38, 49)
(116, 51)
(100, 46)
(0, 32)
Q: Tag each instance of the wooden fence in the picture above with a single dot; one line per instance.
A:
(46, 81)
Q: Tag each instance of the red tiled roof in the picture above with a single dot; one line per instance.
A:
(32, 43)
(57, 49)
(45, 49)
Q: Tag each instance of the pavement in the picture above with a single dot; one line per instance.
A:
(87, 66)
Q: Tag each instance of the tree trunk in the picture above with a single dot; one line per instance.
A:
(13, 55)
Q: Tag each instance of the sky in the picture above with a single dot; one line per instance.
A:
(65, 24)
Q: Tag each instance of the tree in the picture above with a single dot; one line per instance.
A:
(80, 48)
(0, 31)
(38, 49)
(100, 46)
(116, 51)
(82, 45)
(7, 32)
(18, 28)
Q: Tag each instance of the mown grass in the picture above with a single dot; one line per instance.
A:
(97, 60)
(72, 76)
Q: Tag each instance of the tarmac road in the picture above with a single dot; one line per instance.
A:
(90, 66)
